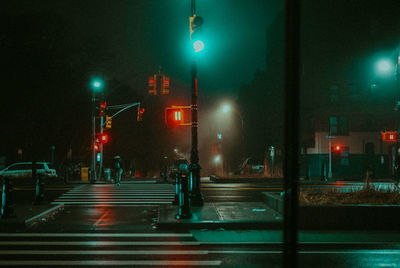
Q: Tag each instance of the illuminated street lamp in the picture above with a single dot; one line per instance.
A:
(385, 67)
(227, 108)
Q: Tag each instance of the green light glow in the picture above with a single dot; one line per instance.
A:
(96, 84)
(198, 46)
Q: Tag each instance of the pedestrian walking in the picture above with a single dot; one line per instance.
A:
(117, 166)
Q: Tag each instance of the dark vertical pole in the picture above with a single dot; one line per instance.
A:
(291, 167)
(196, 196)
(93, 166)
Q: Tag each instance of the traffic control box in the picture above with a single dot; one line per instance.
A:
(85, 174)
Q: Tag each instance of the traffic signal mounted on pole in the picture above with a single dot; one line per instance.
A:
(389, 136)
(153, 85)
(103, 106)
(108, 121)
(195, 32)
(104, 138)
(96, 147)
(140, 113)
(174, 116)
(165, 85)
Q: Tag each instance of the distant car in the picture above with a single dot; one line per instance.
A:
(24, 170)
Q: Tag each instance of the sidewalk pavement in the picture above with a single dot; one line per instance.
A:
(27, 214)
(225, 215)
(280, 180)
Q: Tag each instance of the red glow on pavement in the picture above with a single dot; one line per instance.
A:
(103, 221)
(339, 183)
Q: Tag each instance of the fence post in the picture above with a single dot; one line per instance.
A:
(7, 206)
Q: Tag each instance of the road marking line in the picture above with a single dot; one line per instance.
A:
(102, 217)
(112, 205)
(123, 194)
(103, 252)
(112, 263)
(109, 202)
(96, 235)
(99, 243)
(115, 198)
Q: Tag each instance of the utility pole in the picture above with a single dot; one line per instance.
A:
(291, 138)
(93, 167)
(101, 147)
(196, 195)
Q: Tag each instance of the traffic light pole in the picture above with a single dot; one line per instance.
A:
(101, 147)
(196, 196)
(93, 167)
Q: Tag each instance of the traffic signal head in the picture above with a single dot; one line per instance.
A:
(389, 136)
(103, 106)
(96, 84)
(96, 147)
(174, 116)
(140, 113)
(103, 138)
(196, 23)
(337, 148)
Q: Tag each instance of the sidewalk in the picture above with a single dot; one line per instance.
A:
(226, 215)
(26, 215)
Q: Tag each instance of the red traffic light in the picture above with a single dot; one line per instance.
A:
(337, 148)
(103, 106)
(174, 116)
(140, 113)
(103, 138)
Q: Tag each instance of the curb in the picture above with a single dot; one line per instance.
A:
(341, 217)
(218, 225)
(246, 180)
(33, 219)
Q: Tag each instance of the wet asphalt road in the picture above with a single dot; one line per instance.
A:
(89, 235)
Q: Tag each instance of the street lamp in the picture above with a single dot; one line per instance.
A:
(227, 108)
(384, 67)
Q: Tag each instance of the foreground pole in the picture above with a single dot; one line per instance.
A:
(291, 140)
(196, 195)
(7, 206)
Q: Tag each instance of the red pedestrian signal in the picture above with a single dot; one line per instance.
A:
(389, 136)
(103, 138)
(96, 146)
(174, 116)
(140, 113)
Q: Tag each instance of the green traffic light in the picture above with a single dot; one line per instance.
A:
(198, 46)
(97, 84)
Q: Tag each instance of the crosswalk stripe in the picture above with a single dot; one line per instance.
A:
(103, 252)
(112, 195)
(116, 194)
(96, 235)
(111, 263)
(110, 202)
(99, 243)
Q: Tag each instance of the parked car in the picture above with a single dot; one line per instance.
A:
(24, 170)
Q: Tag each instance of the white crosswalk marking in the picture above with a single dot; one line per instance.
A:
(105, 249)
(114, 195)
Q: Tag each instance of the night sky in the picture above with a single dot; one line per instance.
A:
(142, 35)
